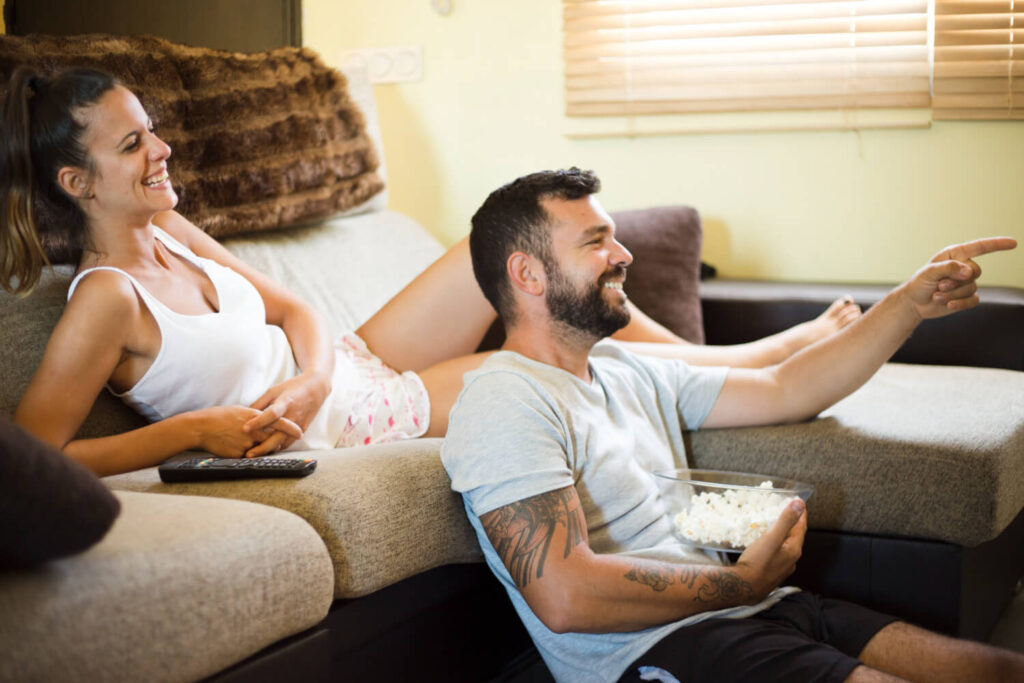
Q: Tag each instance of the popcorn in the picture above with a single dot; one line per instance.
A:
(734, 518)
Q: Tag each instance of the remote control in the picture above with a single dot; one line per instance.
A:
(222, 469)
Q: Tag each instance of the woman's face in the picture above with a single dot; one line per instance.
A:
(128, 180)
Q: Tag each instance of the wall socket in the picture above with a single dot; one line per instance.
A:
(403, 64)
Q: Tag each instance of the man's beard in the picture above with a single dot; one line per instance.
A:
(585, 311)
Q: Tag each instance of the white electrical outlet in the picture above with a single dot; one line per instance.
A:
(402, 64)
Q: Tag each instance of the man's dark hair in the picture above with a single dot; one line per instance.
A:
(512, 219)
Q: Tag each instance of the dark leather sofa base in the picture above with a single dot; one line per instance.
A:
(739, 311)
(940, 586)
(452, 623)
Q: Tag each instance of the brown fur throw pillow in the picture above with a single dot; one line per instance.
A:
(260, 141)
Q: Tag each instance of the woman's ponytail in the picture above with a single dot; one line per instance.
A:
(22, 255)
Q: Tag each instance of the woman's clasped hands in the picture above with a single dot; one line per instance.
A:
(283, 412)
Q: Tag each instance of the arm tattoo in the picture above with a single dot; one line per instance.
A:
(521, 532)
(657, 578)
(713, 584)
(717, 585)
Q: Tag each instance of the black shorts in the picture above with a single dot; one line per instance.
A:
(801, 638)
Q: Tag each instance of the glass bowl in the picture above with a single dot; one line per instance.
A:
(724, 512)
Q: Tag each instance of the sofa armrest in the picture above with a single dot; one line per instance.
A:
(989, 335)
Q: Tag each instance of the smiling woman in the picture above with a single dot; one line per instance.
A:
(152, 291)
(128, 173)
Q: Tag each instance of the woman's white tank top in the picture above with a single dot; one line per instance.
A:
(232, 356)
(229, 357)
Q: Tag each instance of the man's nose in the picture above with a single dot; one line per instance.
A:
(620, 255)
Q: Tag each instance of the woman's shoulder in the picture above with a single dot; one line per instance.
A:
(178, 227)
(105, 290)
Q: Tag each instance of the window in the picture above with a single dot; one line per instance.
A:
(642, 57)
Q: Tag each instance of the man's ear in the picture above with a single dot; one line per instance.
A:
(75, 182)
(526, 273)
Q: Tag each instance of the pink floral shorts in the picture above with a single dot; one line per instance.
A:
(387, 405)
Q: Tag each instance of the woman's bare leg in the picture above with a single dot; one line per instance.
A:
(440, 315)
(642, 330)
(444, 382)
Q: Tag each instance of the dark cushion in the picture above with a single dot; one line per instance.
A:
(50, 506)
(260, 141)
(664, 280)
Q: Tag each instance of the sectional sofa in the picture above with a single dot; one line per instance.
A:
(368, 569)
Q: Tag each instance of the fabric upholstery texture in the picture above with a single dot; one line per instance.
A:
(346, 268)
(50, 506)
(179, 589)
(385, 512)
(260, 141)
(921, 451)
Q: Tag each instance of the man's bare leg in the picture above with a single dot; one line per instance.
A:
(912, 653)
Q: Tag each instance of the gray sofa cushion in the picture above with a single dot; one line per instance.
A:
(179, 589)
(345, 268)
(922, 451)
(385, 512)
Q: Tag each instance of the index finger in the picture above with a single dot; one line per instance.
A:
(267, 417)
(968, 250)
(288, 427)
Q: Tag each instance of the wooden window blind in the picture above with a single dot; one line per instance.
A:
(629, 57)
(979, 59)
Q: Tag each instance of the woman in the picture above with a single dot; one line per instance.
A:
(80, 147)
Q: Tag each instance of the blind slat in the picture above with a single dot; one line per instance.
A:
(895, 100)
(979, 69)
(747, 44)
(756, 90)
(745, 74)
(973, 22)
(894, 53)
(682, 32)
(737, 9)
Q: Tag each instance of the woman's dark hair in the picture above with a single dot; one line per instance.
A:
(42, 133)
(512, 219)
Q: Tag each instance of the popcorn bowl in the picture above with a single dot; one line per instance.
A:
(724, 512)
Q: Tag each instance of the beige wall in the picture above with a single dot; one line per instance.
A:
(835, 206)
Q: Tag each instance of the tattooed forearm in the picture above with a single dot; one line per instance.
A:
(521, 532)
(715, 585)
(657, 578)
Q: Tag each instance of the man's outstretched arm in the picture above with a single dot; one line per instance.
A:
(543, 542)
(824, 373)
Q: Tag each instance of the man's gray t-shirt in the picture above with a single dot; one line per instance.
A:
(521, 428)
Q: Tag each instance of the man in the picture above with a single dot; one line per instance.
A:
(552, 441)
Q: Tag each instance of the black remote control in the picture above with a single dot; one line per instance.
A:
(222, 469)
